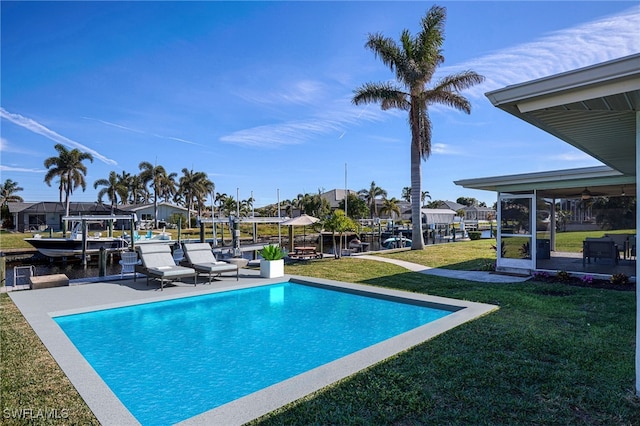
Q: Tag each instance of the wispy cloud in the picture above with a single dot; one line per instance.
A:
(325, 119)
(442, 148)
(35, 127)
(583, 45)
(296, 93)
(142, 132)
(4, 168)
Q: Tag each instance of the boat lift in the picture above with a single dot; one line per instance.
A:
(85, 219)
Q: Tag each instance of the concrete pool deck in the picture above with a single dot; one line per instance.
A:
(38, 307)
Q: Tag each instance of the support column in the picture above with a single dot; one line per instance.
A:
(637, 268)
(552, 224)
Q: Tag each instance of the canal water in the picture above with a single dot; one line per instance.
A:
(72, 269)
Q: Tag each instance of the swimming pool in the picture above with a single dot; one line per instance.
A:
(172, 360)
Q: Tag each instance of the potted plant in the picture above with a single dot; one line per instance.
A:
(272, 262)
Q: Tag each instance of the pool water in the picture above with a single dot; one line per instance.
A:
(169, 361)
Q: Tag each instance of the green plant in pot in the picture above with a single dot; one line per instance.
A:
(272, 252)
(272, 263)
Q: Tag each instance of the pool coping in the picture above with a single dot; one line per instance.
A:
(40, 306)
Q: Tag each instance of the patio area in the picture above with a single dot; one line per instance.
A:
(572, 262)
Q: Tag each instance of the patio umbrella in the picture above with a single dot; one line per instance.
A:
(302, 220)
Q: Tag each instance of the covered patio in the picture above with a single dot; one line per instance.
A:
(597, 110)
(537, 195)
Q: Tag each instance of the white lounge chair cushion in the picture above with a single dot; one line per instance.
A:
(200, 253)
(171, 271)
(215, 267)
(157, 260)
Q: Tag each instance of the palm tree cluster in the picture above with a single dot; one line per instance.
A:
(152, 184)
(69, 168)
(155, 184)
(390, 206)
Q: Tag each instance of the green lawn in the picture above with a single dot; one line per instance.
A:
(551, 355)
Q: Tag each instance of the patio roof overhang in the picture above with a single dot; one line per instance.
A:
(595, 109)
(592, 108)
(569, 183)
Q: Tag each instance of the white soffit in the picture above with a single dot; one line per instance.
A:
(578, 95)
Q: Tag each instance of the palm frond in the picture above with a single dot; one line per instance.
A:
(387, 94)
(384, 48)
(458, 82)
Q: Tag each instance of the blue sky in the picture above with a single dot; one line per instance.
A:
(258, 94)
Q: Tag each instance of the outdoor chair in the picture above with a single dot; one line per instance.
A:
(599, 248)
(200, 257)
(128, 262)
(622, 242)
(158, 263)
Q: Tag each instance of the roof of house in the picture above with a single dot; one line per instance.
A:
(451, 205)
(44, 207)
(335, 196)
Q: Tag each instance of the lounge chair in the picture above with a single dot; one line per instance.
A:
(158, 263)
(200, 257)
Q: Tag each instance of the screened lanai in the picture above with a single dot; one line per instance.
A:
(527, 215)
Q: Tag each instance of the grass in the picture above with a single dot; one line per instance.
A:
(33, 386)
(551, 355)
(572, 241)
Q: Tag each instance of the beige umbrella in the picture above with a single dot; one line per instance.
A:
(302, 220)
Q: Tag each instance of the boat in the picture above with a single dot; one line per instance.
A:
(396, 242)
(73, 245)
(150, 238)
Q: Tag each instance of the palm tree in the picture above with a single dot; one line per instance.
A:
(138, 192)
(207, 187)
(154, 175)
(69, 168)
(414, 61)
(192, 186)
(371, 195)
(424, 196)
(8, 191)
(168, 186)
(406, 194)
(113, 188)
(390, 206)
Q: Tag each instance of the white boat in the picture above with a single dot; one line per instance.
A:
(73, 245)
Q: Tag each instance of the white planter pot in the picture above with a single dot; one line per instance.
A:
(272, 268)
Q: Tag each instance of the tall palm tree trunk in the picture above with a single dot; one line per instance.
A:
(417, 241)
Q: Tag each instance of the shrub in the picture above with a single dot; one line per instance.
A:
(563, 276)
(272, 252)
(619, 279)
(488, 265)
(474, 235)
